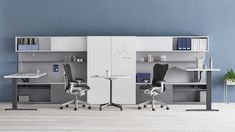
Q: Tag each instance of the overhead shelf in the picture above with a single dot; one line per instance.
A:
(169, 61)
(48, 61)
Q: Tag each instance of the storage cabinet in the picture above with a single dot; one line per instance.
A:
(154, 44)
(116, 55)
(68, 44)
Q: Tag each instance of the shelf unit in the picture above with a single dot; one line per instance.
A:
(169, 44)
(53, 61)
(50, 44)
(169, 61)
(52, 50)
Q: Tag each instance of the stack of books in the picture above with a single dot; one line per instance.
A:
(192, 44)
(27, 44)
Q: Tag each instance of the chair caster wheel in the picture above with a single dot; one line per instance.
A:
(100, 109)
(75, 109)
(61, 107)
(153, 109)
(161, 106)
(167, 108)
(145, 106)
(121, 109)
(139, 107)
(66, 105)
(83, 105)
(89, 107)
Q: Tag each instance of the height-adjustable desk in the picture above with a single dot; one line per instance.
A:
(208, 87)
(14, 78)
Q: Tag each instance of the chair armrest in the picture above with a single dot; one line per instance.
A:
(72, 86)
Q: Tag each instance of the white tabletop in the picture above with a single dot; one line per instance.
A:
(25, 75)
(111, 77)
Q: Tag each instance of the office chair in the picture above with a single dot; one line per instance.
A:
(74, 87)
(157, 87)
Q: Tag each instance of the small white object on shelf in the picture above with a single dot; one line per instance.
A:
(163, 57)
(199, 62)
(211, 63)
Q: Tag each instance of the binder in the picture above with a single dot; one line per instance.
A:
(179, 44)
(189, 44)
(184, 43)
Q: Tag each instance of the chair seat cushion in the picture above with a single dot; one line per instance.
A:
(83, 86)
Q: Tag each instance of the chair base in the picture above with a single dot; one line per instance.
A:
(75, 102)
(110, 104)
(153, 102)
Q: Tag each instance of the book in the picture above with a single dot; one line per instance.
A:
(184, 43)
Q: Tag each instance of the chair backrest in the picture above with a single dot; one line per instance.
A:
(67, 75)
(159, 72)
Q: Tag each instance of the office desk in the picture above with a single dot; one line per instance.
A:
(208, 87)
(14, 78)
(111, 78)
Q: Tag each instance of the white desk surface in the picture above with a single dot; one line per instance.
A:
(111, 77)
(197, 69)
(25, 75)
(179, 83)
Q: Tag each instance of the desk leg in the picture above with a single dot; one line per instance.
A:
(208, 94)
(14, 97)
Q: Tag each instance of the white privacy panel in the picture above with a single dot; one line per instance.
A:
(69, 44)
(124, 63)
(99, 60)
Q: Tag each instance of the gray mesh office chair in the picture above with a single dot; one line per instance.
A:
(74, 87)
(157, 87)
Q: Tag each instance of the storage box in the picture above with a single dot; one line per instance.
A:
(140, 77)
(24, 98)
(27, 47)
(203, 96)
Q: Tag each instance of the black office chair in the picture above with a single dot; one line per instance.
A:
(157, 87)
(74, 87)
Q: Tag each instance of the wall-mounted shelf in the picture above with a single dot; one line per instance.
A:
(41, 83)
(34, 44)
(48, 51)
(170, 61)
(51, 61)
(188, 89)
(173, 51)
(179, 83)
(191, 103)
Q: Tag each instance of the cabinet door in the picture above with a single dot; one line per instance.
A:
(154, 44)
(99, 60)
(69, 43)
(124, 63)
